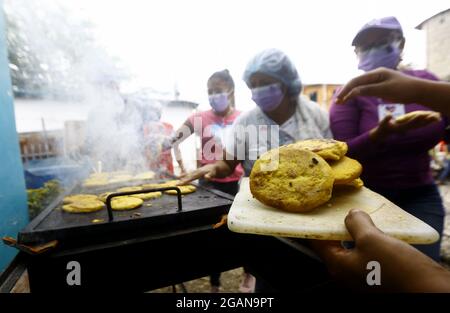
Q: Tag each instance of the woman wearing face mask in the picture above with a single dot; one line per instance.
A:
(394, 154)
(280, 111)
(211, 126)
(275, 86)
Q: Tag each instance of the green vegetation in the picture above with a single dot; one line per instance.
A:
(39, 199)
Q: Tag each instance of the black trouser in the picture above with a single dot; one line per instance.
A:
(231, 188)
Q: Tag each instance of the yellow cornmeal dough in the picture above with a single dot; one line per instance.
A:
(184, 190)
(77, 197)
(297, 180)
(345, 170)
(95, 182)
(127, 189)
(143, 196)
(328, 149)
(119, 173)
(83, 206)
(148, 196)
(357, 183)
(411, 115)
(99, 175)
(153, 186)
(144, 176)
(125, 203)
(169, 183)
(102, 197)
(120, 179)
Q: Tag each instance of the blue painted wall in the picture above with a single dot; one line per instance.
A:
(13, 201)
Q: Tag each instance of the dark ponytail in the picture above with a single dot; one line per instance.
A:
(223, 75)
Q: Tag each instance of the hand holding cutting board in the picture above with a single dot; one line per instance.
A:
(402, 267)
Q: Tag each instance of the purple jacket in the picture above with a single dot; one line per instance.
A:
(401, 161)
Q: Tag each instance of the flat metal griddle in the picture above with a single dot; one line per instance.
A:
(164, 215)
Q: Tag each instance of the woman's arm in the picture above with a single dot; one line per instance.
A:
(397, 87)
(218, 169)
(344, 123)
(179, 158)
(181, 134)
(402, 267)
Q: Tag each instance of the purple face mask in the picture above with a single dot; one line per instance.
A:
(219, 101)
(383, 56)
(269, 97)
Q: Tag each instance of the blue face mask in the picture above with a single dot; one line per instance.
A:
(219, 101)
(269, 97)
(383, 56)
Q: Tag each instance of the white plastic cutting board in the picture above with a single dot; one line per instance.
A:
(248, 215)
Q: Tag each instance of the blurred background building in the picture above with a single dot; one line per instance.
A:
(321, 93)
(437, 31)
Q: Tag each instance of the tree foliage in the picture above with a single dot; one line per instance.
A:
(52, 49)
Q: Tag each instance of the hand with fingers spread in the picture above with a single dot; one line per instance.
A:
(383, 83)
(395, 86)
(412, 120)
(416, 119)
(402, 267)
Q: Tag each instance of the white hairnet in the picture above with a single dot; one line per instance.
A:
(275, 63)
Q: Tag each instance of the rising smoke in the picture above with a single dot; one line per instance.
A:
(54, 55)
